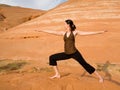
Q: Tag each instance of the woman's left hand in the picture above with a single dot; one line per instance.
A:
(103, 31)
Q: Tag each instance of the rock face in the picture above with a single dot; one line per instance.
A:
(85, 13)
(88, 15)
(13, 16)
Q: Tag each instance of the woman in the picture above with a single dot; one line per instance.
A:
(70, 51)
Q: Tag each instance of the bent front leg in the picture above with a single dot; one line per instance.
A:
(56, 57)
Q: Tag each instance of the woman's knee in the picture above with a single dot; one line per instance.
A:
(52, 60)
(51, 57)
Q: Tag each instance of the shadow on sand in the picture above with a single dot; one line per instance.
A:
(106, 70)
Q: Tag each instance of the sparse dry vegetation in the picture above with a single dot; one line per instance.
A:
(7, 66)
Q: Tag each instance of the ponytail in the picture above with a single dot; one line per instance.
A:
(71, 24)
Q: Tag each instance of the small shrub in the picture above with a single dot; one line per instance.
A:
(12, 66)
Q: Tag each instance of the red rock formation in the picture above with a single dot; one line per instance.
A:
(16, 15)
(24, 43)
(88, 15)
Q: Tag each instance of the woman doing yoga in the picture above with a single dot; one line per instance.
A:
(70, 51)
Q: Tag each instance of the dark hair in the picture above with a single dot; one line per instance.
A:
(71, 24)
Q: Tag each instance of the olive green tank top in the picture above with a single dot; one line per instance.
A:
(69, 43)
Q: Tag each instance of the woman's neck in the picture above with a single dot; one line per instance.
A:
(68, 30)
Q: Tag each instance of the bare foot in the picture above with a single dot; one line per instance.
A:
(55, 76)
(101, 80)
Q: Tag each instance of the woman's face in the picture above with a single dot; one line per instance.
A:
(67, 26)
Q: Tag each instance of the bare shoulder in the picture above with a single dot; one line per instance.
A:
(75, 32)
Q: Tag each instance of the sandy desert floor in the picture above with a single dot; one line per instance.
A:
(33, 75)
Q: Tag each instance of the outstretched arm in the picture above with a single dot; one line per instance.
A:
(90, 33)
(52, 32)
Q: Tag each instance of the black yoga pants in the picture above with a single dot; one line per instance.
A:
(77, 56)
